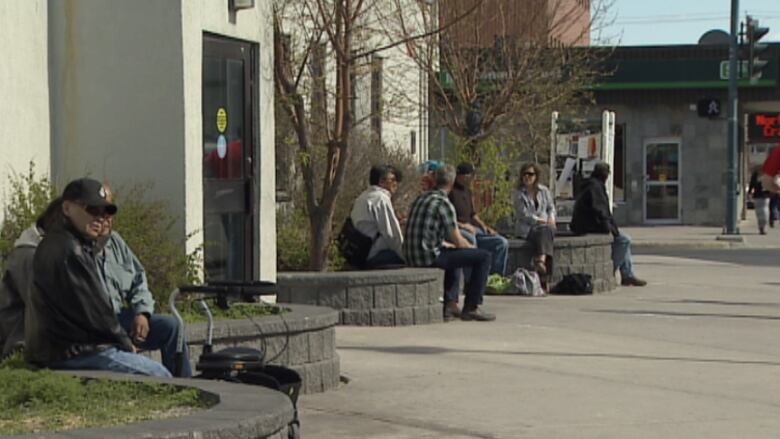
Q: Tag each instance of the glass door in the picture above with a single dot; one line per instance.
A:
(227, 159)
(662, 181)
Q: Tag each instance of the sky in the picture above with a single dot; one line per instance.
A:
(662, 22)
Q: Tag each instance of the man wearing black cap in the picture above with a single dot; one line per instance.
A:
(471, 225)
(69, 321)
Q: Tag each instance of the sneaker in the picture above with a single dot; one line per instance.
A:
(632, 282)
(477, 315)
(450, 311)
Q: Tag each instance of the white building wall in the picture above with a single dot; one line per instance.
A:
(405, 92)
(116, 95)
(126, 99)
(24, 91)
(253, 25)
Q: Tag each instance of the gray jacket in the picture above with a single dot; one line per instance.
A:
(527, 214)
(14, 289)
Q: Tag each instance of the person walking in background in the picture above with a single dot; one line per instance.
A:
(535, 216)
(760, 198)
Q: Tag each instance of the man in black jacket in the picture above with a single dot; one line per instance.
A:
(593, 215)
(69, 321)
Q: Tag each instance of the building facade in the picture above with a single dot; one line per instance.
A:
(175, 94)
(565, 22)
(671, 154)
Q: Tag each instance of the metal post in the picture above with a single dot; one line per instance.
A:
(731, 185)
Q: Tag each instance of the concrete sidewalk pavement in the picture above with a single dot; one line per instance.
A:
(647, 238)
(695, 354)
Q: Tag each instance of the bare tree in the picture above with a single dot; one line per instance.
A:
(320, 46)
(510, 64)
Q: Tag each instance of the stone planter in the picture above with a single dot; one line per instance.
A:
(406, 296)
(590, 254)
(241, 412)
(303, 339)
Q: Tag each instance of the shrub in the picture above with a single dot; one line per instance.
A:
(146, 227)
(30, 194)
(144, 224)
(292, 242)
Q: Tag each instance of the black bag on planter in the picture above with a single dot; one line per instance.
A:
(353, 245)
(575, 284)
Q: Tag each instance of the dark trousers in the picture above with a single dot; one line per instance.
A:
(384, 258)
(542, 238)
(163, 332)
(452, 260)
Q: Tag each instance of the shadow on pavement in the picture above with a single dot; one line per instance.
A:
(683, 314)
(415, 350)
(717, 302)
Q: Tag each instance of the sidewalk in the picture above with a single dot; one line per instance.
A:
(694, 354)
(677, 236)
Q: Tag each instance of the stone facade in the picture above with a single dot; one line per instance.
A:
(408, 296)
(590, 254)
(303, 340)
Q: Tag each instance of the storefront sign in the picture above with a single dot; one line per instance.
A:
(764, 127)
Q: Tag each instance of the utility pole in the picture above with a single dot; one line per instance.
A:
(731, 173)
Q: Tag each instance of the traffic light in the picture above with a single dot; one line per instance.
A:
(755, 49)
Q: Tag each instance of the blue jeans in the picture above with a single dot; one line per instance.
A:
(452, 261)
(114, 360)
(621, 255)
(384, 258)
(497, 245)
(163, 332)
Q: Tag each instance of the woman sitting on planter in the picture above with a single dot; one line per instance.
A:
(535, 216)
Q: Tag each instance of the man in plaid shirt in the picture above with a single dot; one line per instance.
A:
(433, 240)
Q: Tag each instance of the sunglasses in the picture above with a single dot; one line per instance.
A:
(529, 174)
(97, 211)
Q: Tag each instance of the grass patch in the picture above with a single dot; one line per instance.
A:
(192, 312)
(41, 400)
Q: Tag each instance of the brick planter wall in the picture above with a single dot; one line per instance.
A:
(406, 296)
(303, 339)
(590, 254)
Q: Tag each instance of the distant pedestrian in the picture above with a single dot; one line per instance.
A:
(760, 198)
(770, 171)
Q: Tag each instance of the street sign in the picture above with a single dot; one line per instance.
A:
(708, 107)
(764, 127)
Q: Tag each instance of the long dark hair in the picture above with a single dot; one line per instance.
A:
(537, 169)
(51, 216)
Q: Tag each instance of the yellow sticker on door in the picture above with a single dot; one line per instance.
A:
(221, 119)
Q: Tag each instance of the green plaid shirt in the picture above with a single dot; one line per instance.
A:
(431, 220)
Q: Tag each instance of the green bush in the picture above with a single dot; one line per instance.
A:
(144, 224)
(292, 243)
(30, 194)
(146, 227)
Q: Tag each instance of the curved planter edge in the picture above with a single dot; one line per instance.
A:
(243, 412)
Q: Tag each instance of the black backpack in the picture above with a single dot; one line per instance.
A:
(353, 245)
(575, 283)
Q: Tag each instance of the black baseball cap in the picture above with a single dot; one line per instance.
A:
(465, 168)
(89, 192)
